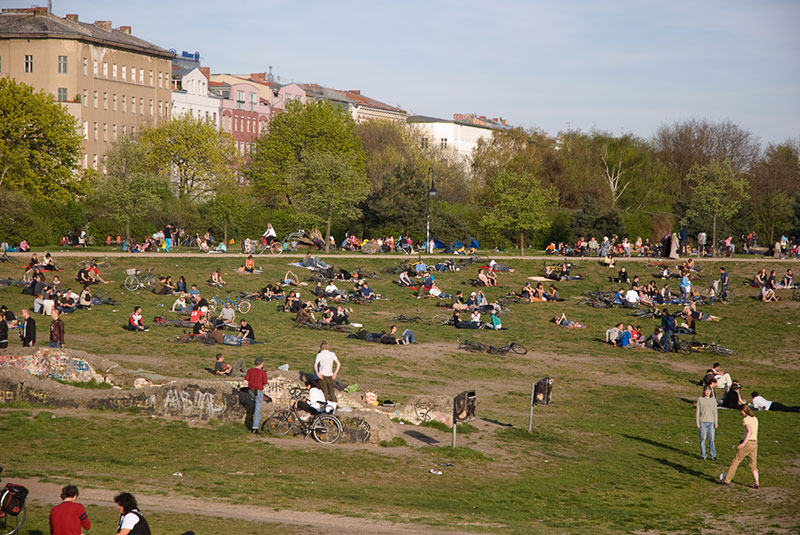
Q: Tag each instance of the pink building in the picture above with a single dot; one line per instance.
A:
(242, 113)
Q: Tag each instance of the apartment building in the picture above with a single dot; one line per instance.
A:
(243, 114)
(112, 82)
(457, 137)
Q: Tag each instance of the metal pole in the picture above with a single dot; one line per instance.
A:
(428, 212)
(455, 416)
(533, 400)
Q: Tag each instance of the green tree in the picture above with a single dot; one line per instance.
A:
(314, 128)
(774, 183)
(330, 185)
(192, 152)
(229, 206)
(130, 189)
(521, 205)
(718, 194)
(39, 143)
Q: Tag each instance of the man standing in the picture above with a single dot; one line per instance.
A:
(3, 332)
(323, 367)
(706, 420)
(28, 329)
(56, 330)
(701, 244)
(256, 379)
(668, 327)
(168, 238)
(69, 516)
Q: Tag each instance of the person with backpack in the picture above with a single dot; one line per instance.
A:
(256, 379)
(131, 521)
(68, 517)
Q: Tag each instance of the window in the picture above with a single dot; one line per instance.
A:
(133, 75)
(141, 105)
(133, 130)
(124, 130)
(62, 64)
(85, 66)
(62, 94)
(114, 131)
(114, 102)
(105, 69)
(159, 79)
(95, 132)
(151, 78)
(86, 130)
(85, 98)
(133, 104)
(252, 102)
(105, 100)
(94, 161)
(141, 76)
(28, 63)
(424, 142)
(114, 71)
(443, 143)
(151, 106)
(124, 73)
(85, 162)
(105, 131)
(240, 100)
(95, 100)
(124, 103)
(94, 68)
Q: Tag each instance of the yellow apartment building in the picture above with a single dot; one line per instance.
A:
(112, 82)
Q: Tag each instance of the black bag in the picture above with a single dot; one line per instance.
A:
(12, 499)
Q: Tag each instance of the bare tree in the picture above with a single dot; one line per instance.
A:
(612, 175)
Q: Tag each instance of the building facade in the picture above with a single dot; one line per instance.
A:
(457, 137)
(111, 81)
(190, 96)
(242, 113)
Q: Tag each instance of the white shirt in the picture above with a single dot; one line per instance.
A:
(316, 398)
(475, 317)
(323, 363)
(632, 296)
(128, 521)
(270, 232)
(331, 288)
(761, 403)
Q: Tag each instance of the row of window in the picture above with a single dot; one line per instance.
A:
(241, 124)
(105, 131)
(117, 72)
(442, 143)
(240, 102)
(162, 105)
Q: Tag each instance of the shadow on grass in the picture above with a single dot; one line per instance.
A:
(658, 444)
(422, 437)
(496, 422)
(680, 468)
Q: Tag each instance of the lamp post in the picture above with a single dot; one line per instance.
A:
(431, 192)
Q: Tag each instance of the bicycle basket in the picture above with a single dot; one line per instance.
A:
(12, 499)
(131, 272)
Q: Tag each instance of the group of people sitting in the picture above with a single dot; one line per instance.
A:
(732, 398)
(537, 293)
(767, 284)
(475, 321)
(390, 338)
(50, 295)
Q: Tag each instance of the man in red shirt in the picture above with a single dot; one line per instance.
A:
(256, 379)
(69, 516)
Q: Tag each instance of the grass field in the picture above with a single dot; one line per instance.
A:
(616, 452)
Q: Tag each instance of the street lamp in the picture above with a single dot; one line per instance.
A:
(431, 192)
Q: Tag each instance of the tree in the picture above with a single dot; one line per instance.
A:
(775, 181)
(329, 186)
(718, 195)
(39, 143)
(129, 190)
(192, 152)
(313, 128)
(229, 206)
(521, 205)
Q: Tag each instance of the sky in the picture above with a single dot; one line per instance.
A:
(622, 66)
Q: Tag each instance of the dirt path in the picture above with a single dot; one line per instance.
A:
(45, 494)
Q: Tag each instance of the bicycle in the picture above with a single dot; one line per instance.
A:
(323, 428)
(716, 349)
(472, 347)
(241, 304)
(5, 257)
(12, 508)
(133, 280)
(514, 347)
(412, 319)
(86, 262)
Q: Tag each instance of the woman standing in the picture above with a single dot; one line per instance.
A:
(131, 521)
(706, 420)
(748, 447)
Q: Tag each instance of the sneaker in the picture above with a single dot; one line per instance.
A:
(255, 432)
(722, 477)
(714, 459)
(755, 486)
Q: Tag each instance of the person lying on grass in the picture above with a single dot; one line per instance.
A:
(691, 312)
(562, 321)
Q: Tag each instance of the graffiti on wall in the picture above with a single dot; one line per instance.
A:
(50, 364)
(197, 403)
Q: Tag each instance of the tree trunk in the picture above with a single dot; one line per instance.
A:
(522, 244)
(128, 231)
(328, 231)
(225, 232)
(714, 238)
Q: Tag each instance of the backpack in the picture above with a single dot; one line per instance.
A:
(12, 499)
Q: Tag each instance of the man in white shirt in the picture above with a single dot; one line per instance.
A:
(631, 298)
(760, 403)
(333, 291)
(324, 368)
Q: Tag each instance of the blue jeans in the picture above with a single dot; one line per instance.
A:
(258, 395)
(55, 344)
(707, 431)
(408, 337)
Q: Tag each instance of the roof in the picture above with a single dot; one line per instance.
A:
(353, 97)
(462, 119)
(38, 24)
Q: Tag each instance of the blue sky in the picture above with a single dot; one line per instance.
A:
(620, 66)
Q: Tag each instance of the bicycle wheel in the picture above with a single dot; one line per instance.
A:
(441, 319)
(727, 296)
(326, 429)
(276, 247)
(11, 525)
(722, 351)
(476, 347)
(212, 307)
(150, 281)
(519, 349)
(279, 423)
(131, 283)
(244, 306)
(683, 346)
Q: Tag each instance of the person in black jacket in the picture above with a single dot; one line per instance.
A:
(28, 333)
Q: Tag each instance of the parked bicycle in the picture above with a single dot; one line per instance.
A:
(5, 257)
(12, 508)
(725, 295)
(479, 347)
(240, 304)
(324, 428)
(402, 318)
(135, 279)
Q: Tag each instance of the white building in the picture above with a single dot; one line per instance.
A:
(190, 96)
(457, 137)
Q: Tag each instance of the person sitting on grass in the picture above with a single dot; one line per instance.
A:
(393, 338)
(458, 323)
(221, 367)
(290, 279)
(246, 332)
(495, 323)
(315, 403)
(788, 279)
(226, 316)
(85, 298)
(216, 279)
(613, 334)
(366, 292)
(527, 291)
(404, 279)
(760, 278)
(292, 302)
(180, 305)
(654, 340)
(538, 293)
(767, 294)
(305, 316)
(552, 295)
(249, 265)
(562, 321)
(164, 286)
(135, 322)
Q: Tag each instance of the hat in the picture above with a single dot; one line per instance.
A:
(259, 360)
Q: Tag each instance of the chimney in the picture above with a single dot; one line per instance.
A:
(125, 29)
(206, 72)
(39, 10)
(258, 76)
(356, 91)
(72, 17)
(103, 24)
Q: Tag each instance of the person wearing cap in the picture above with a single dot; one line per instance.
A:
(256, 379)
(707, 421)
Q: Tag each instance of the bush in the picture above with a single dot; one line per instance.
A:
(394, 443)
